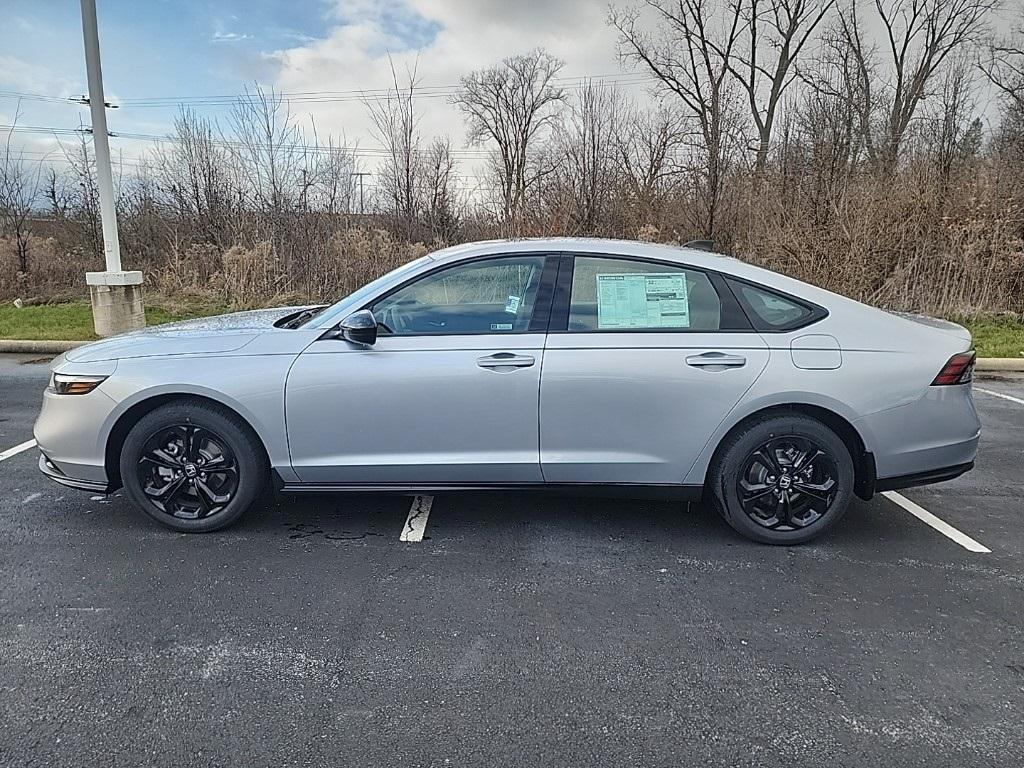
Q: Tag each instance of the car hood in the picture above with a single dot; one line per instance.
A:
(204, 335)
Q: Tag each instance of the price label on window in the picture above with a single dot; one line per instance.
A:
(651, 300)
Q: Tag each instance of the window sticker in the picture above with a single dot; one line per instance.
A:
(649, 300)
(512, 305)
(501, 326)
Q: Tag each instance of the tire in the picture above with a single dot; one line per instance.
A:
(749, 484)
(193, 466)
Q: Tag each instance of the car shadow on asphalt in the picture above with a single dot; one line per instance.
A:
(479, 519)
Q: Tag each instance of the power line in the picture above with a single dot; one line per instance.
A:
(371, 152)
(314, 97)
(33, 97)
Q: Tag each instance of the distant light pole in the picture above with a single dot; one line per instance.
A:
(116, 295)
(361, 174)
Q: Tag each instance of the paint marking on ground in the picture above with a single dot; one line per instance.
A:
(937, 523)
(17, 449)
(416, 522)
(1011, 398)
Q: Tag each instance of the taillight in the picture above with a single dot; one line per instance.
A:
(959, 369)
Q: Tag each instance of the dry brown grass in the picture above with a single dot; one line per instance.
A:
(912, 242)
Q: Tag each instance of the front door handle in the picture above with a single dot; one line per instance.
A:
(716, 360)
(505, 361)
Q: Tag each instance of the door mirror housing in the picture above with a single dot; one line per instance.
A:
(358, 328)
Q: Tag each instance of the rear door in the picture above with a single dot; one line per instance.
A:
(644, 359)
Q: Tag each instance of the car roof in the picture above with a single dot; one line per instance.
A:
(596, 245)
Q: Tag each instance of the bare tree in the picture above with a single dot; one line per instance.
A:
(586, 144)
(194, 173)
(19, 190)
(395, 125)
(57, 194)
(1003, 64)
(648, 145)
(332, 182)
(919, 37)
(437, 189)
(85, 200)
(512, 105)
(832, 113)
(690, 54)
(777, 33)
(951, 133)
(268, 151)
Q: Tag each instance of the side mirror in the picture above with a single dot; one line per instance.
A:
(359, 328)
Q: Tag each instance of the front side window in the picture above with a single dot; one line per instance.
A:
(487, 296)
(628, 294)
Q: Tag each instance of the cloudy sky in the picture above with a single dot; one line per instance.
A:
(325, 53)
(166, 50)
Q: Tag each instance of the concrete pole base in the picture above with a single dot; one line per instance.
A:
(117, 305)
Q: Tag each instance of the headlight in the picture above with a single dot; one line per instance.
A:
(70, 384)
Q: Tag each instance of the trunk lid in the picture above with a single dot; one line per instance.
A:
(945, 326)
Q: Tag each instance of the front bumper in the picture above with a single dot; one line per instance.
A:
(53, 472)
(71, 433)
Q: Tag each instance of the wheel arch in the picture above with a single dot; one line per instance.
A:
(124, 422)
(863, 459)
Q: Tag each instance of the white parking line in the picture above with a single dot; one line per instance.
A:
(1011, 398)
(17, 449)
(416, 522)
(937, 523)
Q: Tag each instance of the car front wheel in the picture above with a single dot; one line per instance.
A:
(785, 479)
(193, 466)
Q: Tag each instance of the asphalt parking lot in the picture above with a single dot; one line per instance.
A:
(519, 630)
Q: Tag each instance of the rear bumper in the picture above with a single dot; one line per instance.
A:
(932, 437)
(922, 478)
(53, 472)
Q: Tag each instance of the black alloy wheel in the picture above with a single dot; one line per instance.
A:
(787, 483)
(193, 465)
(784, 478)
(187, 471)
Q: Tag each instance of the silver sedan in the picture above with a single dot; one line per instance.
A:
(580, 365)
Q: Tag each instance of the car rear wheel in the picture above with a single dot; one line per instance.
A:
(193, 466)
(785, 479)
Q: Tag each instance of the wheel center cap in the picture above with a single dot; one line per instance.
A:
(191, 470)
(785, 481)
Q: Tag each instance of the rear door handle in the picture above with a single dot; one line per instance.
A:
(505, 360)
(716, 360)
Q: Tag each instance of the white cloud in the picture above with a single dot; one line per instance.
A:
(17, 74)
(228, 37)
(469, 34)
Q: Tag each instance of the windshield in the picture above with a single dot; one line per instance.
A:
(360, 296)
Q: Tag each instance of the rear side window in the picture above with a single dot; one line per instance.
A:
(627, 294)
(771, 311)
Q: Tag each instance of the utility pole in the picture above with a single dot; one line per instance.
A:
(360, 174)
(116, 295)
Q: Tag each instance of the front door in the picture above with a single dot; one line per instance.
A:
(643, 362)
(448, 394)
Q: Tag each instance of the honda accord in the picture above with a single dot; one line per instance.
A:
(565, 365)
